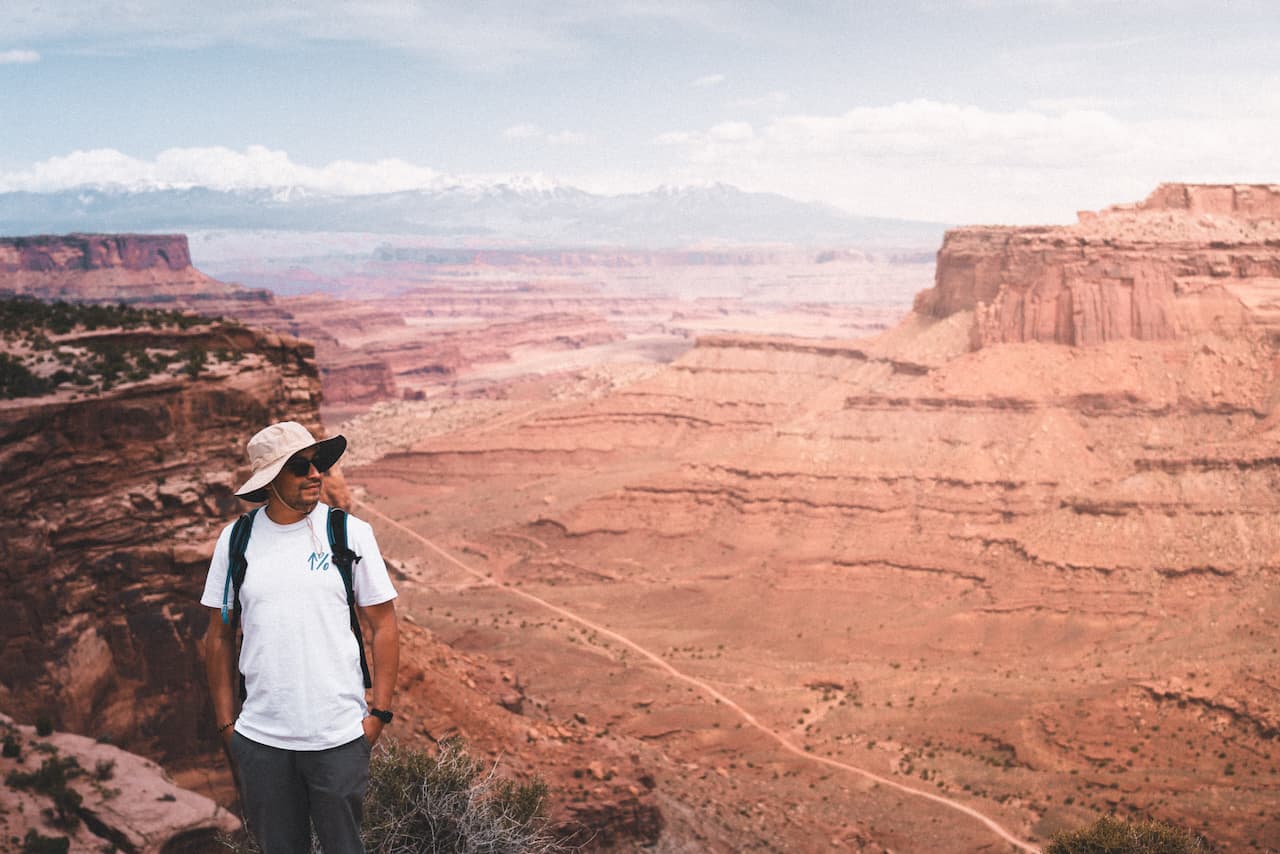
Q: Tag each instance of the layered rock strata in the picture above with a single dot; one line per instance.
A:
(1036, 579)
(108, 518)
(130, 268)
(1186, 260)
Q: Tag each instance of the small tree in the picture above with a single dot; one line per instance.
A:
(196, 358)
(16, 380)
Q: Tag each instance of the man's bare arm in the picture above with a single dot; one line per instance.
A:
(220, 670)
(384, 641)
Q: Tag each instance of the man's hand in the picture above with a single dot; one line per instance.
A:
(372, 729)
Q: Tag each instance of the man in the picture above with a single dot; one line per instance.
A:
(301, 741)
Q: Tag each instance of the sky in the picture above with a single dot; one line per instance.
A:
(971, 111)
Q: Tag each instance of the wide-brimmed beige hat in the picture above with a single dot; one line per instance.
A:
(271, 447)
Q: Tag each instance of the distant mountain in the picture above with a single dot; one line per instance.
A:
(501, 213)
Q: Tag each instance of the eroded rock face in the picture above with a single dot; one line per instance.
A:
(109, 514)
(1188, 259)
(131, 268)
(127, 803)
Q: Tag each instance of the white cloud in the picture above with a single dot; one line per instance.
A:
(532, 132)
(523, 131)
(767, 101)
(219, 168)
(677, 137)
(1068, 105)
(708, 80)
(954, 162)
(18, 57)
(731, 132)
(568, 137)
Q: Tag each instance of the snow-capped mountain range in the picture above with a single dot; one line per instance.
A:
(533, 214)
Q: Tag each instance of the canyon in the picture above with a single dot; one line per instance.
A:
(1029, 567)
(746, 556)
(115, 499)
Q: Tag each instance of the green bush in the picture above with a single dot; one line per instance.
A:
(16, 380)
(196, 357)
(24, 314)
(35, 843)
(52, 781)
(1110, 835)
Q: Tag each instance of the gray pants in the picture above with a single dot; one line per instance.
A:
(286, 792)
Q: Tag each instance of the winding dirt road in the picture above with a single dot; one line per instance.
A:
(707, 689)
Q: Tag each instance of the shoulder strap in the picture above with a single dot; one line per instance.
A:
(237, 564)
(345, 559)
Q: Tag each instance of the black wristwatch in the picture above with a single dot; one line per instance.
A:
(385, 717)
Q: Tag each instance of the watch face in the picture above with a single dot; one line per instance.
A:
(385, 717)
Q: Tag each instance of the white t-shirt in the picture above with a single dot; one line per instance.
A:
(299, 657)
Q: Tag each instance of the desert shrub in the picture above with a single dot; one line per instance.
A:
(451, 803)
(196, 357)
(12, 747)
(16, 380)
(1111, 835)
(44, 726)
(24, 314)
(51, 780)
(35, 843)
(111, 363)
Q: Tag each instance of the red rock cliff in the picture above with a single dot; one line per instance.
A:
(80, 252)
(1188, 258)
(152, 268)
(111, 506)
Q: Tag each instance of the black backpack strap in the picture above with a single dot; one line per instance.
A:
(346, 559)
(237, 565)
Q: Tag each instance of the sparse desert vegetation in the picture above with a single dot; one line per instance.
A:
(47, 346)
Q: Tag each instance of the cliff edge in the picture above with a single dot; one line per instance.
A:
(128, 268)
(113, 502)
(1188, 259)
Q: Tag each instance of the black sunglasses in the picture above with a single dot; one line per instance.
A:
(300, 466)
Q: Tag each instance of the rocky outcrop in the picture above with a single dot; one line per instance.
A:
(147, 269)
(356, 379)
(78, 253)
(1238, 201)
(97, 797)
(1189, 259)
(111, 506)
